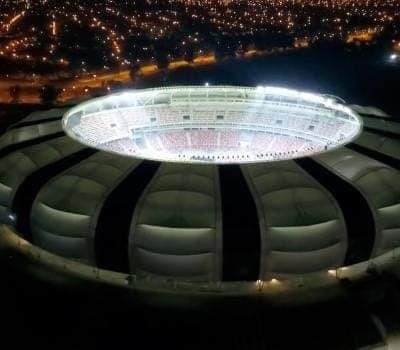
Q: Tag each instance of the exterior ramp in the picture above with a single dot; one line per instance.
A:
(380, 186)
(302, 227)
(65, 212)
(176, 230)
(19, 165)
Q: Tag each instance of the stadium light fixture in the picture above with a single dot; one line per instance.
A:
(12, 218)
(332, 273)
(259, 284)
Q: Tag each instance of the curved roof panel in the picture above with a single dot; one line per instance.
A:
(17, 166)
(43, 115)
(302, 227)
(30, 132)
(177, 229)
(64, 214)
(383, 144)
(368, 110)
(387, 125)
(380, 185)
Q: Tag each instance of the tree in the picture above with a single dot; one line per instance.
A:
(116, 86)
(48, 94)
(189, 54)
(15, 93)
(161, 55)
(134, 72)
(162, 61)
(98, 91)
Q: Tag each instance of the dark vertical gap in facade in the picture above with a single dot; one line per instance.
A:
(381, 157)
(31, 186)
(113, 226)
(356, 211)
(241, 232)
(15, 147)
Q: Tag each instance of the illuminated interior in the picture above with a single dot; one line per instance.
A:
(213, 124)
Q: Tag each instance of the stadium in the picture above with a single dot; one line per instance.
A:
(226, 191)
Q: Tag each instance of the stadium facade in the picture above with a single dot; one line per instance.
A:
(166, 227)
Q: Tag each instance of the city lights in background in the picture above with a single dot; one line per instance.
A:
(393, 57)
(94, 42)
(194, 139)
(122, 33)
